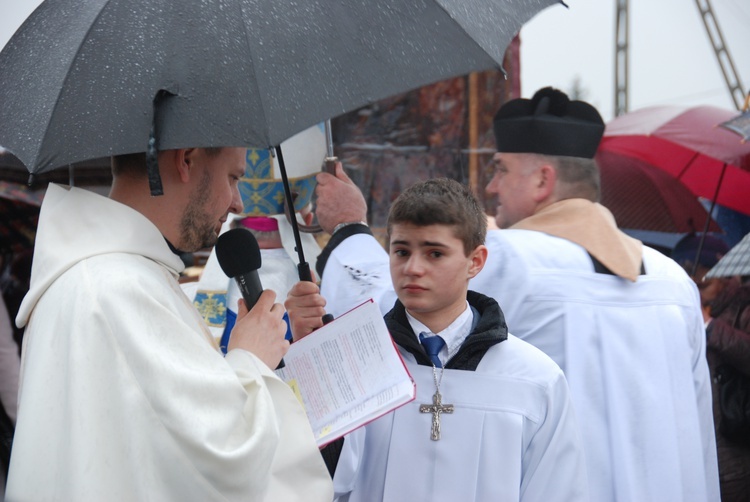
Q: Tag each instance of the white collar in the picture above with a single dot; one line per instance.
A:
(454, 335)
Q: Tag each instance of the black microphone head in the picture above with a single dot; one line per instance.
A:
(238, 252)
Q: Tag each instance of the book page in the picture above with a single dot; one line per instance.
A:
(347, 373)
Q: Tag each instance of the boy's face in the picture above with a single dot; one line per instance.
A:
(430, 271)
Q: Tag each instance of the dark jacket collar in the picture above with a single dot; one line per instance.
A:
(490, 330)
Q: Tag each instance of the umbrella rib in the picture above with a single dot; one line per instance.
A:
(687, 166)
(708, 220)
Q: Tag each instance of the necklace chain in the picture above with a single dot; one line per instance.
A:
(435, 377)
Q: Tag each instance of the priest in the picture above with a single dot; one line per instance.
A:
(124, 394)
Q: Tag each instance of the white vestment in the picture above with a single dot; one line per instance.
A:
(633, 353)
(123, 393)
(511, 437)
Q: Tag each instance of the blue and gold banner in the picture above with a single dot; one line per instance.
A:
(263, 194)
(262, 188)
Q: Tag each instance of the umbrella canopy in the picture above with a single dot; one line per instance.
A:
(80, 76)
(735, 262)
(644, 197)
(687, 143)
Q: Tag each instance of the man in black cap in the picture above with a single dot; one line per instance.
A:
(621, 320)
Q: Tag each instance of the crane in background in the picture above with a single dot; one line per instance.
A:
(715, 36)
(621, 58)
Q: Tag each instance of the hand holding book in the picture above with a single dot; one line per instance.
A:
(347, 373)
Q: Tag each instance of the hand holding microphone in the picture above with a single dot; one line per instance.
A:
(262, 329)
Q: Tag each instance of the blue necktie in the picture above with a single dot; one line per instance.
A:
(432, 345)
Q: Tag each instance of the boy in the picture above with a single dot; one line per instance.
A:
(492, 419)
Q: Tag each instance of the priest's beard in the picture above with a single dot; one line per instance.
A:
(197, 228)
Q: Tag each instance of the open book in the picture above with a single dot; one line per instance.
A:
(347, 373)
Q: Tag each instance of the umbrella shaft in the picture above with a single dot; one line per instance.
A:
(290, 202)
(329, 138)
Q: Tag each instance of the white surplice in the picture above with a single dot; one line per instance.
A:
(633, 353)
(124, 395)
(511, 437)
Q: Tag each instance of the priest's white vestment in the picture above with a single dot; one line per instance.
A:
(124, 394)
(512, 436)
(633, 353)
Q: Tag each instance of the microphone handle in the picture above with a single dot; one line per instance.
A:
(250, 288)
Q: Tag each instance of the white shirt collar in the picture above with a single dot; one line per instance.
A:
(454, 335)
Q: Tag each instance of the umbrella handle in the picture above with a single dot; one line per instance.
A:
(329, 166)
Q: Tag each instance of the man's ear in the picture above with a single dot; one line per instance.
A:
(546, 179)
(477, 259)
(184, 161)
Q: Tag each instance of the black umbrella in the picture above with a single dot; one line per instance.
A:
(80, 77)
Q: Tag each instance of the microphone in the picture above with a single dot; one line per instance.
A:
(239, 257)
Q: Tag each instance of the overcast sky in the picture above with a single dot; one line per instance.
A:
(671, 59)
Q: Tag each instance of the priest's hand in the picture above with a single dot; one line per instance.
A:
(339, 200)
(306, 308)
(261, 330)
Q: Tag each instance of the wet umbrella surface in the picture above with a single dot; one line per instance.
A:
(80, 76)
(85, 79)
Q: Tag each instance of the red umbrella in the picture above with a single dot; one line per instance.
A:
(644, 197)
(687, 143)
